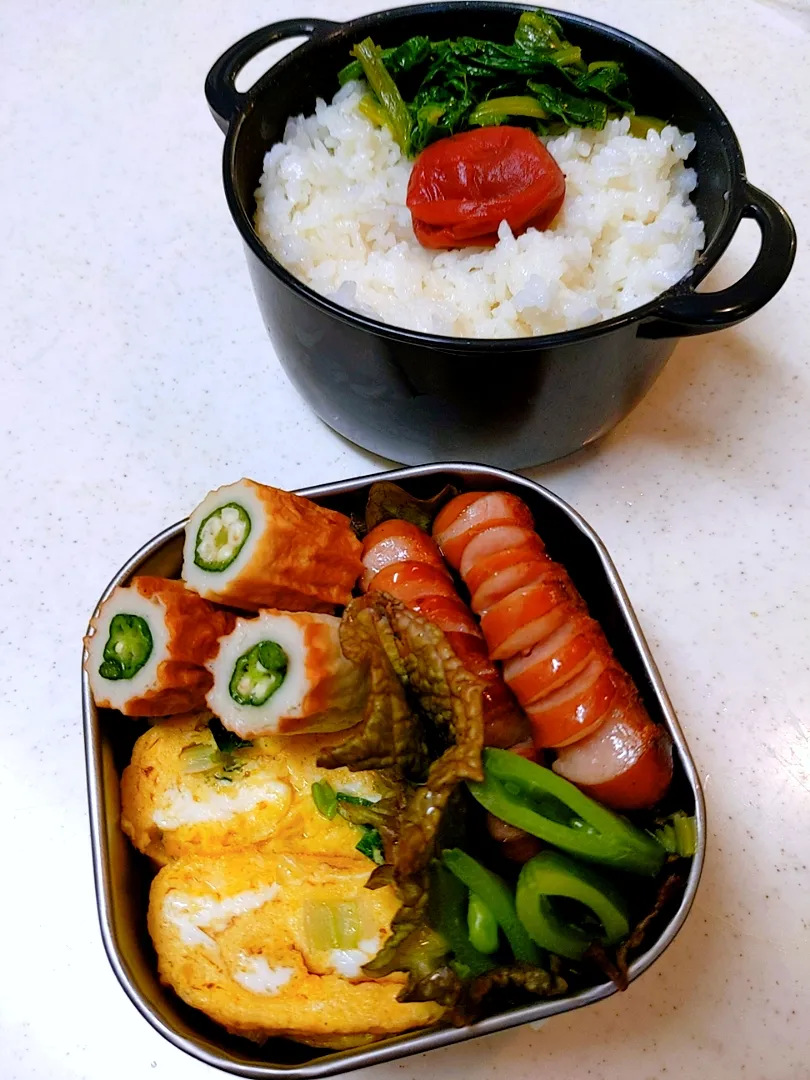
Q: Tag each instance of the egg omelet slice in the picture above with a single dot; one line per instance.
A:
(274, 945)
(180, 796)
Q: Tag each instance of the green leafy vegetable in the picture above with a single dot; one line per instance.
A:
(451, 697)
(607, 78)
(325, 799)
(404, 949)
(541, 74)
(370, 844)
(640, 125)
(414, 51)
(226, 741)
(405, 650)
(572, 110)
(388, 500)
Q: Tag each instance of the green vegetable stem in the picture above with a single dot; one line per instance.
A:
(678, 835)
(552, 875)
(391, 102)
(535, 799)
(497, 897)
(496, 110)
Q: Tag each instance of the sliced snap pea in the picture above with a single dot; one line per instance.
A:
(552, 875)
(482, 926)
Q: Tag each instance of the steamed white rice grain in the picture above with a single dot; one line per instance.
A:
(331, 208)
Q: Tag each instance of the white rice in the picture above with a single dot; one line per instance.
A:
(331, 208)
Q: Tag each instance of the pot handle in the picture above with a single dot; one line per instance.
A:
(224, 100)
(699, 313)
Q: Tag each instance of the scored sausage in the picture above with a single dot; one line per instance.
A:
(557, 660)
(400, 559)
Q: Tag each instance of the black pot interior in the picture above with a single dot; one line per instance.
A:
(659, 88)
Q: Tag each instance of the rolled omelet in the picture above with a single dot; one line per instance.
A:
(274, 945)
(180, 796)
(284, 672)
(253, 546)
(146, 651)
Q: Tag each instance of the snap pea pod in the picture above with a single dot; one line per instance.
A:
(535, 799)
(552, 874)
(482, 926)
(448, 901)
(497, 896)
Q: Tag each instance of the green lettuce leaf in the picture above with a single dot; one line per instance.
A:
(421, 696)
(451, 697)
(531, 978)
(390, 735)
(615, 963)
(388, 500)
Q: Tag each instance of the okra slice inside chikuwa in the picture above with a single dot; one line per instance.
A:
(542, 803)
(254, 547)
(551, 877)
(258, 673)
(128, 647)
(283, 672)
(221, 537)
(147, 646)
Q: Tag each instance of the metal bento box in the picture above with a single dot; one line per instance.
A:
(122, 875)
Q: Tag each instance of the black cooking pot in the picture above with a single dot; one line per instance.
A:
(513, 402)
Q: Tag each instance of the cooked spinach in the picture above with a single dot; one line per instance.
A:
(426, 90)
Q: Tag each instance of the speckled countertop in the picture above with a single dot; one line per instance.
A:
(135, 376)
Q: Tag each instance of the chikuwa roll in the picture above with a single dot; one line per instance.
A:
(147, 648)
(252, 546)
(284, 673)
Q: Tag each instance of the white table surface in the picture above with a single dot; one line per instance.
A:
(135, 375)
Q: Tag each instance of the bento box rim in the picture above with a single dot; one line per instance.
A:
(419, 1042)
